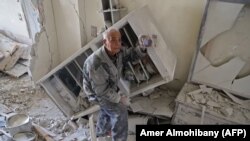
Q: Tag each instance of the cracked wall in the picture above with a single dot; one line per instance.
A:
(45, 55)
(60, 36)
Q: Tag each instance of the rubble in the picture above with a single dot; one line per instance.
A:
(159, 104)
(218, 108)
(22, 96)
(10, 54)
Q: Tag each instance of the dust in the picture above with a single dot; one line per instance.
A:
(22, 95)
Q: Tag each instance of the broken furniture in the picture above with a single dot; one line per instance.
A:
(221, 62)
(64, 83)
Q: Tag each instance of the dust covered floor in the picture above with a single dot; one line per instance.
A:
(23, 96)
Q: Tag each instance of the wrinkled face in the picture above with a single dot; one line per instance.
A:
(113, 42)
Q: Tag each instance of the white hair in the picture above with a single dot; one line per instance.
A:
(106, 33)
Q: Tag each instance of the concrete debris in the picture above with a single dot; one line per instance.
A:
(212, 104)
(148, 92)
(158, 105)
(21, 96)
(10, 53)
(134, 120)
(154, 96)
(227, 111)
(217, 104)
(136, 107)
(205, 89)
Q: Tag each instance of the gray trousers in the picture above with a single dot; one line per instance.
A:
(113, 117)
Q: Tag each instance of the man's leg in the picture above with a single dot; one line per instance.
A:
(103, 124)
(119, 120)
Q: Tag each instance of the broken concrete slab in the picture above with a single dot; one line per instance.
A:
(217, 75)
(26, 51)
(14, 58)
(220, 18)
(11, 51)
(17, 71)
(7, 45)
(159, 106)
(136, 107)
(144, 103)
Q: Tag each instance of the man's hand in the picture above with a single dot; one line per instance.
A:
(145, 41)
(125, 100)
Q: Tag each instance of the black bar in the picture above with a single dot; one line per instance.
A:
(187, 132)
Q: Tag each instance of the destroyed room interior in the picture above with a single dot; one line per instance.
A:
(196, 69)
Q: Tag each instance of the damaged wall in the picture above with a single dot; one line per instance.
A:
(179, 23)
(45, 55)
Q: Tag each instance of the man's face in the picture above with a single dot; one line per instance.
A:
(113, 43)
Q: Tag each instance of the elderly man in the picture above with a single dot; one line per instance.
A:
(101, 73)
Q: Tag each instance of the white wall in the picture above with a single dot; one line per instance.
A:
(12, 18)
(67, 26)
(90, 16)
(177, 20)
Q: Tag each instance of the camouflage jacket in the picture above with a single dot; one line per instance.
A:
(101, 76)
